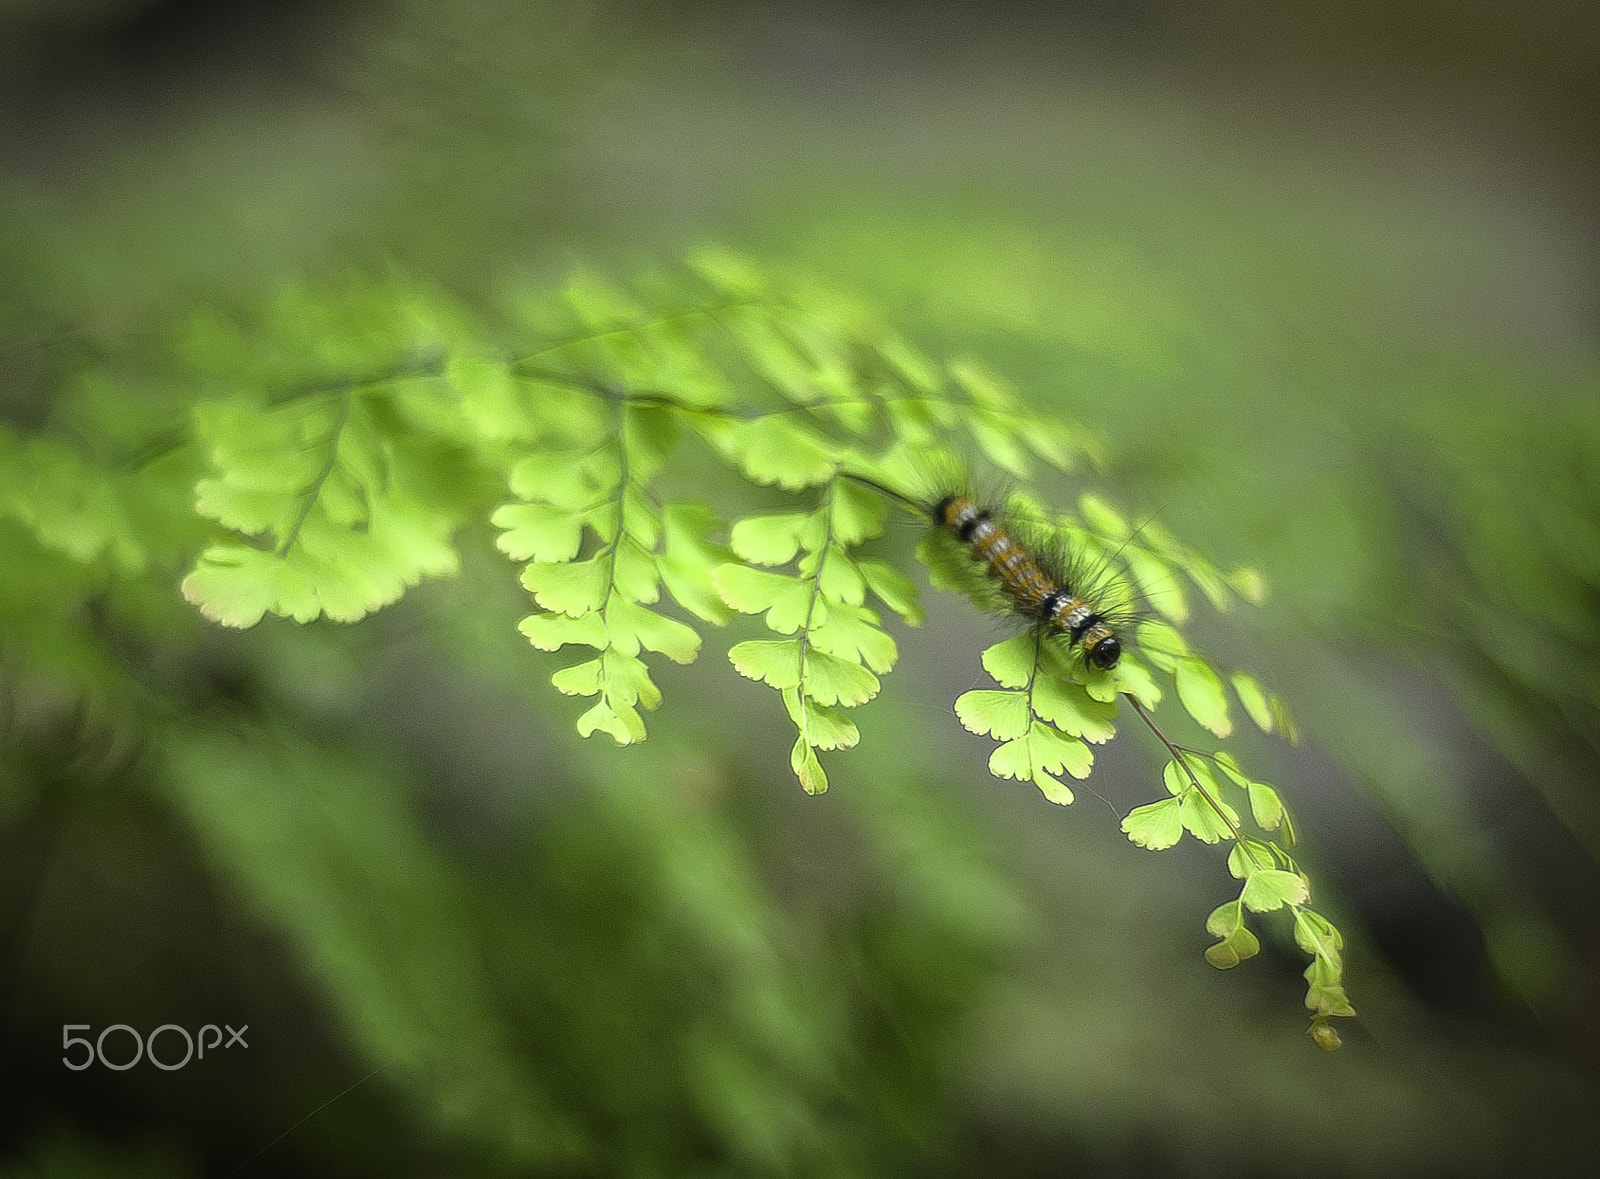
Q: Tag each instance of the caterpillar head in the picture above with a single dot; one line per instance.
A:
(1104, 654)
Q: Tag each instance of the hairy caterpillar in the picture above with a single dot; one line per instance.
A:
(1035, 594)
(1036, 579)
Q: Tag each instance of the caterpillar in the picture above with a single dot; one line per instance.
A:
(1035, 594)
(1040, 586)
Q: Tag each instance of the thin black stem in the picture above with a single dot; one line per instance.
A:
(1178, 753)
(886, 490)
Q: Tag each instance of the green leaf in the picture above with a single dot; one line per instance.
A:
(650, 434)
(894, 590)
(1224, 761)
(1054, 789)
(913, 420)
(1072, 710)
(1103, 518)
(603, 519)
(266, 462)
(633, 573)
(1249, 584)
(1204, 774)
(839, 580)
(1254, 700)
(683, 369)
(1265, 806)
(68, 505)
(1055, 752)
(1010, 664)
(911, 364)
(627, 679)
(688, 558)
(1002, 715)
(821, 340)
(342, 574)
(1272, 888)
(1012, 760)
(641, 521)
(821, 726)
(1326, 995)
(1174, 779)
(560, 478)
(550, 632)
(1316, 935)
(729, 272)
(1100, 685)
(578, 587)
(599, 303)
(623, 725)
(600, 469)
(353, 513)
(1200, 690)
(775, 662)
(858, 513)
(854, 633)
(829, 679)
(787, 600)
(1203, 819)
(1132, 677)
(1285, 722)
(768, 540)
(579, 418)
(1157, 583)
(235, 586)
(491, 400)
(773, 355)
(1161, 644)
(1250, 855)
(771, 450)
(1156, 825)
(949, 567)
(631, 626)
(1238, 943)
(803, 760)
(1329, 999)
(996, 437)
(1225, 919)
(1324, 971)
(1228, 954)
(582, 679)
(1210, 582)
(983, 386)
(1040, 754)
(541, 532)
(1325, 1037)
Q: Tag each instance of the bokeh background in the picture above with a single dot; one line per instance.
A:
(1323, 278)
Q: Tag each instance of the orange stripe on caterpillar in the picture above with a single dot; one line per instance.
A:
(1034, 592)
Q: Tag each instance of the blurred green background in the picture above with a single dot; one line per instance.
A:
(1325, 281)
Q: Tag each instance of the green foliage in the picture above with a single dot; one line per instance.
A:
(321, 496)
(68, 505)
(354, 437)
(382, 924)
